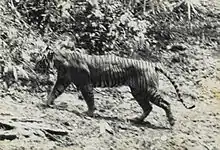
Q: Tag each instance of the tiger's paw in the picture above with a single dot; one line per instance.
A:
(89, 113)
(136, 120)
(49, 103)
(171, 121)
(50, 106)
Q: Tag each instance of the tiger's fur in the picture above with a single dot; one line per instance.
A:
(89, 71)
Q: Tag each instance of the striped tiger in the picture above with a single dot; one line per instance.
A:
(90, 71)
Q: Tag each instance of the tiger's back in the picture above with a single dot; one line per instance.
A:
(111, 71)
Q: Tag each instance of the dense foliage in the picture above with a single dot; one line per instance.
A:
(103, 26)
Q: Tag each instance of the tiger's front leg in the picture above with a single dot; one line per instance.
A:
(59, 87)
(87, 92)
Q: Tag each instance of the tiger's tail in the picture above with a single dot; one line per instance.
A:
(160, 69)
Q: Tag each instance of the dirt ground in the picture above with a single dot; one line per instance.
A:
(27, 124)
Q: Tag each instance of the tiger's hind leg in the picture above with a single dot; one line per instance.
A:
(59, 87)
(87, 92)
(143, 101)
(160, 102)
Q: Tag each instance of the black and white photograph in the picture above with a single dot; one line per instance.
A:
(110, 75)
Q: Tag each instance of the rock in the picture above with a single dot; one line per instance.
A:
(177, 47)
(8, 136)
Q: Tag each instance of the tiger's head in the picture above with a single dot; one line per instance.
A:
(44, 62)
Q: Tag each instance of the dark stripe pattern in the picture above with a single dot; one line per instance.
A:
(112, 71)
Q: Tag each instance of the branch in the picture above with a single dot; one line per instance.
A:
(7, 136)
(56, 132)
(6, 126)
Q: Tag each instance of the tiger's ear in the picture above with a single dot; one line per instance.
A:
(50, 55)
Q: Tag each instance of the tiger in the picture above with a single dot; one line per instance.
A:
(87, 72)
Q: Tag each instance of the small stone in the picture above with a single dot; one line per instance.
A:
(163, 138)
